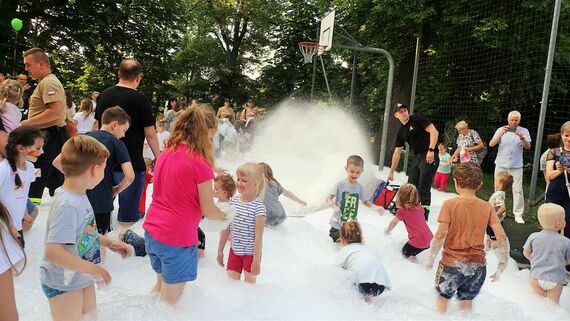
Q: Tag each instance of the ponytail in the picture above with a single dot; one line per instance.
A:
(23, 136)
(86, 107)
(10, 90)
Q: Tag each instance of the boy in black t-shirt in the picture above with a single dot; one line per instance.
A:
(420, 133)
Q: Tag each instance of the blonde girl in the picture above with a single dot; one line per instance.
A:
(411, 212)
(10, 98)
(246, 230)
(85, 118)
(275, 211)
(182, 192)
(366, 271)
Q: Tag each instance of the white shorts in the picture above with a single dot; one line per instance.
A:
(546, 285)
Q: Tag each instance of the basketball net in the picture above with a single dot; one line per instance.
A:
(309, 49)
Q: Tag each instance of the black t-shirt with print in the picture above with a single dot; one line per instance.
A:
(414, 133)
(139, 109)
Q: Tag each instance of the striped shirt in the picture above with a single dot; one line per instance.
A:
(242, 228)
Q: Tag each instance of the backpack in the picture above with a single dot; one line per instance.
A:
(483, 151)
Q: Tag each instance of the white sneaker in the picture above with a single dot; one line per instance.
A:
(519, 219)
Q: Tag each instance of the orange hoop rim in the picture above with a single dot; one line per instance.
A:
(312, 45)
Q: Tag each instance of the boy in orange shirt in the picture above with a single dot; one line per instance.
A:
(462, 224)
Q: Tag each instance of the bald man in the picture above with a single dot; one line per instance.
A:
(139, 109)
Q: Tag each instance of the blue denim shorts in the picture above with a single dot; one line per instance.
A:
(466, 281)
(130, 198)
(177, 264)
(30, 206)
(51, 292)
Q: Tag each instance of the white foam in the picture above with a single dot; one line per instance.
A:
(307, 148)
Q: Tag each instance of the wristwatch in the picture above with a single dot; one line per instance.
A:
(431, 150)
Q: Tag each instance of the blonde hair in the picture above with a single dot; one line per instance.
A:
(191, 127)
(268, 172)
(10, 90)
(461, 125)
(87, 107)
(81, 152)
(355, 160)
(505, 179)
(351, 232)
(407, 196)
(254, 171)
(548, 214)
(565, 127)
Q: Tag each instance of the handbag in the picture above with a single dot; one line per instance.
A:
(483, 151)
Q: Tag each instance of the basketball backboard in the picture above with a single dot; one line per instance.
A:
(326, 36)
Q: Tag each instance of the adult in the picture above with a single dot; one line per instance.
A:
(2, 77)
(23, 80)
(71, 107)
(170, 103)
(468, 144)
(226, 111)
(94, 96)
(420, 133)
(249, 113)
(47, 112)
(558, 172)
(171, 114)
(139, 109)
(513, 140)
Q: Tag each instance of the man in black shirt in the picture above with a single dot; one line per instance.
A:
(139, 109)
(420, 133)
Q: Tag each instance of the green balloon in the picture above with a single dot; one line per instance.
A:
(17, 24)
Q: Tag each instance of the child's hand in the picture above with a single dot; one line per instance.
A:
(256, 265)
(495, 277)
(387, 231)
(429, 263)
(100, 273)
(379, 209)
(14, 232)
(27, 221)
(220, 258)
(119, 247)
(303, 203)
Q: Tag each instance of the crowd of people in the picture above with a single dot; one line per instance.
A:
(120, 147)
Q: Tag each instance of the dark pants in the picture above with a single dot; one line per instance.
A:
(50, 176)
(421, 174)
(130, 198)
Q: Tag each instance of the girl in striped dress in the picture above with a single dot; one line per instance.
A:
(246, 229)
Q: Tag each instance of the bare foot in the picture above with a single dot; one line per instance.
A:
(413, 258)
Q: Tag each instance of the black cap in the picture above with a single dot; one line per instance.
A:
(399, 106)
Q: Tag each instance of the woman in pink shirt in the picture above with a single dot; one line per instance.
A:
(412, 213)
(183, 178)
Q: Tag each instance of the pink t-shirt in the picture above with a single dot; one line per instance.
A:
(418, 231)
(174, 214)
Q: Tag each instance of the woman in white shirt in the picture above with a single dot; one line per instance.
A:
(85, 118)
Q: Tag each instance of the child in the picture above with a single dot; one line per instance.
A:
(224, 189)
(11, 254)
(462, 224)
(503, 181)
(367, 273)
(10, 98)
(85, 118)
(69, 266)
(443, 170)
(412, 213)
(182, 193)
(548, 252)
(115, 122)
(246, 229)
(162, 136)
(346, 195)
(17, 173)
(275, 211)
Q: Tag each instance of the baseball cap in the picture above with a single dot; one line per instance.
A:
(399, 106)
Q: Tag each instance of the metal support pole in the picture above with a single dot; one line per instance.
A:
(388, 95)
(413, 95)
(352, 86)
(325, 74)
(314, 72)
(544, 101)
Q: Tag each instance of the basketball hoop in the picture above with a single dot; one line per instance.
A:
(309, 49)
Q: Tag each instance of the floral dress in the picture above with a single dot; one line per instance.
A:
(469, 140)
